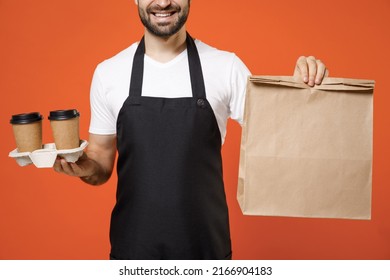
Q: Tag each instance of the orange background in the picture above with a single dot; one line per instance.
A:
(49, 49)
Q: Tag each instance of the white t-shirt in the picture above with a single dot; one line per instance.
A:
(225, 77)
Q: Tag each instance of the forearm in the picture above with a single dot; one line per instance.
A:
(98, 175)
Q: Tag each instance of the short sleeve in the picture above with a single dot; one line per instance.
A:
(102, 119)
(239, 78)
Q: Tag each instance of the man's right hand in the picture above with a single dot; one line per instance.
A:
(94, 167)
(81, 168)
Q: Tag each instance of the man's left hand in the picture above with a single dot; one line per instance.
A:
(311, 70)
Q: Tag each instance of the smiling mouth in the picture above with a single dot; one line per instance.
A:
(163, 14)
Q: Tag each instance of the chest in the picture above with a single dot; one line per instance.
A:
(168, 80)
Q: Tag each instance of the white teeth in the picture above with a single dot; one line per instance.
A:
(162, 15)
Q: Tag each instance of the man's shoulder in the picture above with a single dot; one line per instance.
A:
(123, 59)
(219, 60)
(212, 52)
(216, 58)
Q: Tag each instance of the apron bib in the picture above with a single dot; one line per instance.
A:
(170, 201)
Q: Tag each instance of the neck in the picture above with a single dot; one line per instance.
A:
(165, 49)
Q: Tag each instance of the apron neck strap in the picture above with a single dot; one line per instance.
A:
(196, 74)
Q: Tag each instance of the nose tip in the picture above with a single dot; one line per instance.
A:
(163, 3)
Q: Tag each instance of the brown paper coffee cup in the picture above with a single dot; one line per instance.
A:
(65, 128)
(27, 130)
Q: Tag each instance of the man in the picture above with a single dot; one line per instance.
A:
(168, 125)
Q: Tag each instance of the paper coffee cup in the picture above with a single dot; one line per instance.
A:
(65, 128)
(27, 131)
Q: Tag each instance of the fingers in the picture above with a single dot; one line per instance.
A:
(322, 72)
(311, 70)
(57, 166)
(312, 66)
(68, 168)
(301, 69)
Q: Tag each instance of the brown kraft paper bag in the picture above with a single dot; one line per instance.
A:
(307, 152)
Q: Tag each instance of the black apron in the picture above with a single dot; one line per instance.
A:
(171, 202)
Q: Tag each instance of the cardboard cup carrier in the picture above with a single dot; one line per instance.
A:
(27, 130)
(28, 135)
(65, 128)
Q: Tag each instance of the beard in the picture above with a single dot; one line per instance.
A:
(164, 29)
